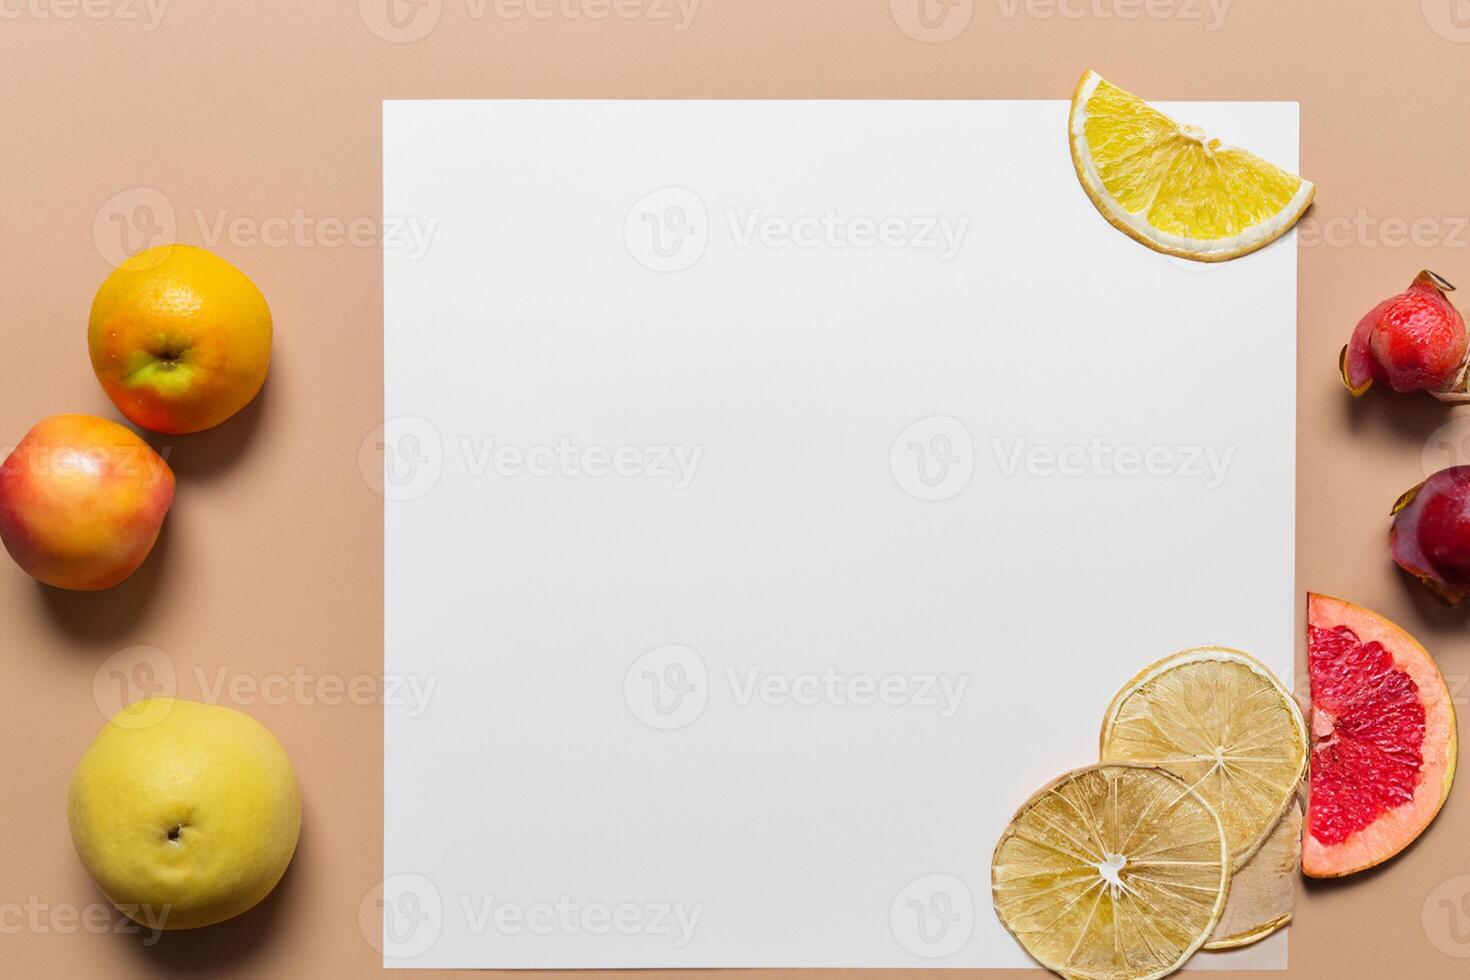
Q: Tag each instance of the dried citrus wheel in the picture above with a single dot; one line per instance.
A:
(1112, 872)
(1262, 892)
(1171, 186)
(1222, 722)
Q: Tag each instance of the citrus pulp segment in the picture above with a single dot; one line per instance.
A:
(1171, 186)
(1384, 739)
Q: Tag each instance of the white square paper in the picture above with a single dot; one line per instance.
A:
(778, 492)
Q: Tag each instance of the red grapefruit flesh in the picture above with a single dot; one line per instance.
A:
(1384, 744)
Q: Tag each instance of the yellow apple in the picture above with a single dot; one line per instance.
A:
(185, 814)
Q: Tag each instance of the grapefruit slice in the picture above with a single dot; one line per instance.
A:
(1384, 744)
(1112, 872)
(1261, 893)
(1221, 721)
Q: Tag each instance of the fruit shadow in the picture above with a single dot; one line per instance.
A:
(1413, 414)
(99, 618)
(226, 946)
(204, 455)
(1430, 608)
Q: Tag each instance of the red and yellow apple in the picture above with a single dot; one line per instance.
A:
(82, 500)
(180, 339)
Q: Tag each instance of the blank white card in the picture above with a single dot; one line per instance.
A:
(777, 494)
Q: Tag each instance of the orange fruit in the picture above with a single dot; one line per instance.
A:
(179, 338)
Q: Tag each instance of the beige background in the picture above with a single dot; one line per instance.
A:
(271, 561)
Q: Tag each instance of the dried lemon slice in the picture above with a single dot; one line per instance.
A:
(1112, 872)
(1171, 186)
(1221, 721)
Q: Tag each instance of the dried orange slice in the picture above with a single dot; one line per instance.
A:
(1221, 721)
(1112, 872)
